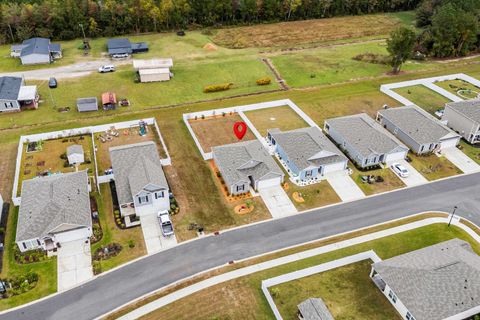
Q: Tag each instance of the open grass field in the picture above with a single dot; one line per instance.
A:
(309, 31)
(348, 292)
(425, 98)
(217, 131)
(130, 136)
(113, 234)
(242, 298)
(314, 196)
(390, 180)
(433, 167)
(48, 159)
(283, 118)
(463, 89)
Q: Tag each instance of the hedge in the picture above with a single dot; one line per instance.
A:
(264, 81)
(217, 87)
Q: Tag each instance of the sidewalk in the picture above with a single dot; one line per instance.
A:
(184, 292)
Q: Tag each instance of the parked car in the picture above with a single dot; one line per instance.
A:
(52, 83)
(106, 68)
(120, 55)
(400, 170)
(165, 223)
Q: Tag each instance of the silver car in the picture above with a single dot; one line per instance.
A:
(165, 223)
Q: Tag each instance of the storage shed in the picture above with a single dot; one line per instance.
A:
(109, 101)
(87, 104)
(153, 75)
(75, 154)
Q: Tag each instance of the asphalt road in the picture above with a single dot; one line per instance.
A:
(134, 280)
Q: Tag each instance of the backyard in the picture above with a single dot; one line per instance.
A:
(283, 118)
(217, 130)
(348, 292)
(433, 167)
(461, 88)
(242, 298)
(312, 196)
(424, 97)
(388, 180)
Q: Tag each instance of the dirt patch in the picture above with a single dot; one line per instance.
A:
(210, 47)
(297, 196)
(243, 209)
(306, 32)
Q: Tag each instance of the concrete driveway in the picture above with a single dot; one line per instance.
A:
(277, 201)
(152, 234)
(74, 264)
(461, 160)
(414, 178)
(344, 186)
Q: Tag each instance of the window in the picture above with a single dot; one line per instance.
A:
(159, 195)
(421, 149)
(142, 199)
(308, 173)
(241, 188)
(409, 316)
(392, 296)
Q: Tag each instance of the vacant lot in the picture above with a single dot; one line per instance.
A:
(312, 196)
(423, 97)
(463, 89)
(283, 118)
(307, 32)
(47, 160)
(242, 298)
(433, 167)
(126, 136)
(390, 180)
(217, 131)
(348, 292)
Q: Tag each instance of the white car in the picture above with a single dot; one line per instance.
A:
(120, 55)
(165, 223)
(400, 170)
(106, 68)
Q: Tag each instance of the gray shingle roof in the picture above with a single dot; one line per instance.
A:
(54, 203)
(307, 147)
(314, 309)
(10, 87)
(74, 149)
(239, 160)
(365, 134)
(469, 108)
(136, 166)
(36, 45)
(87, 104)
(418, 124)
(435, 282)
(119, 45)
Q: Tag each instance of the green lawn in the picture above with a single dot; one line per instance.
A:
(348, 292)
(391, 180)
(46, 270)
(423, 97)
(470, 91)
(471, 151)
(314, 196)
(242, 298)
(433, 167)
(283, 118)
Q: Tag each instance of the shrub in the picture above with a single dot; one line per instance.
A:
(217, 87)
(131, 244)
(63, 156)
(264, 81)
(275, 292)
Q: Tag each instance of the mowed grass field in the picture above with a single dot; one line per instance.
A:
(283, 118)
(243, 298)
(467, 90)
(423, 97)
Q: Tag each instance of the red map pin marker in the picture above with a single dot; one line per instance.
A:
(240, 129)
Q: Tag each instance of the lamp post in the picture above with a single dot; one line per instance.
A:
(451, 217)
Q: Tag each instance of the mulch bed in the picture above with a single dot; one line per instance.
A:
(106, 252)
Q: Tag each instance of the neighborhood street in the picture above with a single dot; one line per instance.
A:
(136, 279)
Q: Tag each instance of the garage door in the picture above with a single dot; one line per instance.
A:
(395, 156)
(269, 182)
(449, 143)
(334, 167)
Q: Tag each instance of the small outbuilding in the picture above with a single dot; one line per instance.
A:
(152, 64)
(154, 69)
(109, 101)
(118, 46)
(87, 104)
(313, 309)
(154, 75)
(75, 154)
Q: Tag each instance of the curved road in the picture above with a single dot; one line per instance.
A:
(136, 279)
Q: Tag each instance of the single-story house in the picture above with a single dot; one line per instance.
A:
(124, 46)
(314, 309)
(141, 185)
(464, 118)
(14, 94)
(364, 140)
(87, 104)
(75, 154)
(437, 282)
(417, 129)
(154, 75)
(307, 152)
(109, 101)
(245, 165)
(36, 51)
(54, 210)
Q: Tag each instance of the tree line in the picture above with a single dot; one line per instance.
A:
(68, 19)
